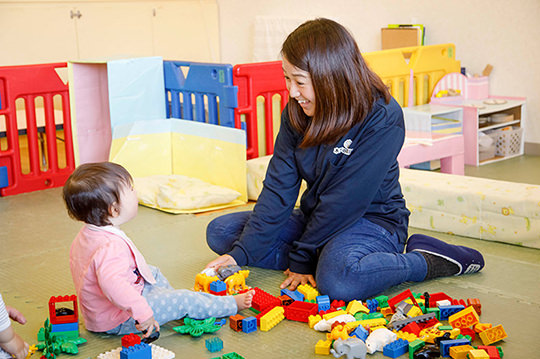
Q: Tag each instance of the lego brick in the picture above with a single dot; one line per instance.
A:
(157, 353)
(63, 315)
(285, 300)
(414, 346)
(323, 347)
(492, 335)
(263, 300)
(313, 319)
(464, 318)
(308, 291)
(65, 327)
(435, 297)
(355, 306)
(411, 328)
(445, 345)
(232, 355)
(478, 354)
(493, 351)
(400, 297)
(447, 310)
(137, 351)
(334, 314)
(323, 302)
(249, 324)
(338, 304)
(130, 340)
(300, 311)
(218, 286)
(214, 344)
(235, 322)
(398, 324)
(372, 305)
(272, 318)
(475, 303)
(360, 332)
(295, 295)
(396, 348)
(460, 351)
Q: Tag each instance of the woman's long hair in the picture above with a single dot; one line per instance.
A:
(345, 87)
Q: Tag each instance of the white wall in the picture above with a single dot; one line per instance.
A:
(502, 33)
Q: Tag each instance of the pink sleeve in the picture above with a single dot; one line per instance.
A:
(113, 266)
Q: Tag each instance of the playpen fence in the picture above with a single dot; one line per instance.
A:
(201, 92)
(31, 85)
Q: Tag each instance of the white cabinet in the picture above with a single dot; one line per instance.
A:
(58, 31)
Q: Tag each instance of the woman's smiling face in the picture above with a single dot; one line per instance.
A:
(300, 87)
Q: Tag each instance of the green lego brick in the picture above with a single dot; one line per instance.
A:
(414, 346)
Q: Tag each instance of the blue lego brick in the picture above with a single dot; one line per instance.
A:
(372, 305)
(446, 344)
(137, 351)
(214, 344)
(323, 302)
(65, 327)
(396, 348)
(447, 310)
(218, 286)
(294, 295)
(249, 324)
(3, 177)
(360, 332)
(221, 322)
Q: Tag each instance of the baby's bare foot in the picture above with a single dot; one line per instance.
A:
(243, 300)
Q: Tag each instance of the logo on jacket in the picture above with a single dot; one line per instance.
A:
(345, 149)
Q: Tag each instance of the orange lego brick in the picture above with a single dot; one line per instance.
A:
(464, 318)
(492, 335)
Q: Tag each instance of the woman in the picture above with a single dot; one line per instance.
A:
(341, 132)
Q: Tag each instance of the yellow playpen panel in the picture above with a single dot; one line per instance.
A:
(425, 65)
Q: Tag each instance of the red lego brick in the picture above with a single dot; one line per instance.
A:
(263, 300)
(435, 297)
(130, 340)
(337, 304)
(492, 351)
(469, 332)
(413, 328)
(69, 316)
(401, 297)
(300, 311)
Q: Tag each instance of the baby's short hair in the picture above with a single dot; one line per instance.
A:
(92, 189)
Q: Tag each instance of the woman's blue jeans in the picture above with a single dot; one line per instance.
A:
(358, 263)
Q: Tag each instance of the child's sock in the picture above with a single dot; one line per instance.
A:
(438, 266)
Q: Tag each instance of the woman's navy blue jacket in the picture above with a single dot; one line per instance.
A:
(354, 178)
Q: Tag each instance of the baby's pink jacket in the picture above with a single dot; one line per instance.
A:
(103, 262)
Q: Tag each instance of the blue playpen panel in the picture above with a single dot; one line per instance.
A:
(185, 95)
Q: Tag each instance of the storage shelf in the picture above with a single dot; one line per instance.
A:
(498, 125)
(498, 158)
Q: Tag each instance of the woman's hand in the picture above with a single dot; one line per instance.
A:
(148, 326)
(295, 279)
(223, 260)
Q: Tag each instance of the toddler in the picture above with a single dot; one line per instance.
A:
(11, 343)
(119, 293)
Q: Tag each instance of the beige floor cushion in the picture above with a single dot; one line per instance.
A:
(467, 206)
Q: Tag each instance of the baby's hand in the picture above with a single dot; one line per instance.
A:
(148, 326)
(16, 315)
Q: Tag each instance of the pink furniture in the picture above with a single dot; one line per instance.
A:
(449, 149)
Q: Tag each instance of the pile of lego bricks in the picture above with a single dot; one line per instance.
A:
(427, 325)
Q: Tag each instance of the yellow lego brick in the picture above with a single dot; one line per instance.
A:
(410, 337)
(464, 318)
(313, 319)
(308, 291)
(414, 312)
(331, 315)
(355, 306)
(478, 354)
(272, 318)
(323, 347)
(366, 323)
(460, 351)
(492, 335)
(386, 311)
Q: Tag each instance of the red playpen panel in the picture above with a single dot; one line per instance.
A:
(263, 79)
(35, 166)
